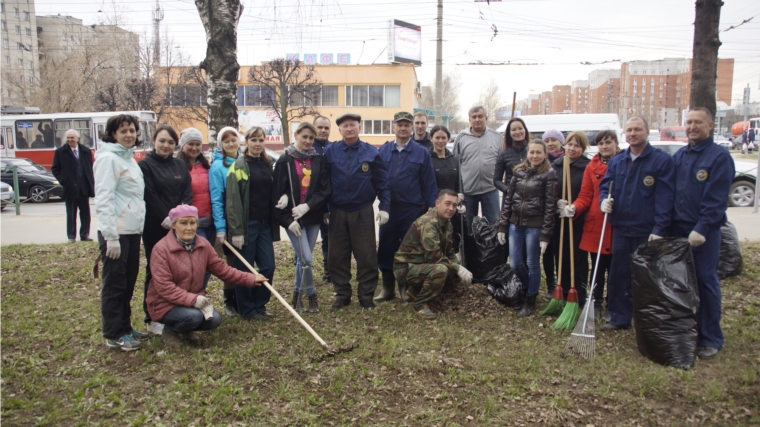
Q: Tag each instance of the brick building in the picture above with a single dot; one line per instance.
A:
(604, 91)
(579, 97)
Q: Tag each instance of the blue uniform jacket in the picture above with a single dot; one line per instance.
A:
(643, 191)
(320, 145)
(703, 179)
(358, 175)
(410, 174)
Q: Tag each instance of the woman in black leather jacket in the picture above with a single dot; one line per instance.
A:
(515, 149)
(528, 215)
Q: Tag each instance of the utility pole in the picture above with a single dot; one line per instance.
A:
(745, 108)
(158, 16)
(439, 67)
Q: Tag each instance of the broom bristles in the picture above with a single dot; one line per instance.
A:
(569, 316)
(556, 304)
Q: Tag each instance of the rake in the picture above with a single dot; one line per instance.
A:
(557, 303)
(569, 316)
(582, 340)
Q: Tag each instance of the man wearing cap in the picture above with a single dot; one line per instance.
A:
(421, 135)
(358, 176)
(321, 142)
(411, 178)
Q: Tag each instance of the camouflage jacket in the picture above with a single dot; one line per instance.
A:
(428, 241)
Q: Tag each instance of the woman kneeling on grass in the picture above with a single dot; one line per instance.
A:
(178, 262)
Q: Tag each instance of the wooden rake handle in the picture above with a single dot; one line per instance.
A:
(279, 297)
(572, 240)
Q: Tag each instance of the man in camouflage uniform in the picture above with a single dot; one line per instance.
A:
(425, 262)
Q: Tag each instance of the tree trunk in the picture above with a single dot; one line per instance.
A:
(220, 19)
(704, 66)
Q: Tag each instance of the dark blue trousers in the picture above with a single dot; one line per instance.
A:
(259, 252)
(619, 293)
(391, 234)
(706, 258)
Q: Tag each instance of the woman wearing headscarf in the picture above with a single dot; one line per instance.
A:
(554, 141)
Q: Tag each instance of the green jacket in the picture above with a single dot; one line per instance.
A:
(428, 241)
(238, 202)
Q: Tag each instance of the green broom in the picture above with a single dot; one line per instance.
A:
(558, 297)
(569, 316)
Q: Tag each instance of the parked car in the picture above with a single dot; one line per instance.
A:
(742, 192)
(654, 135)
(6, 195)
(670, 147)
(723, 142)
(33, 179)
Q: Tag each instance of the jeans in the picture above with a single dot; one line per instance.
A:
(304, 272)
(259, 250)
(524, 249)
(185, 319)
(119, 277)
(208, 233)
(489, 206)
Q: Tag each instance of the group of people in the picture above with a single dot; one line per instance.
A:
(748, 141)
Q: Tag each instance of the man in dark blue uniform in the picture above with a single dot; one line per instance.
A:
(358, 176)
(704, 172)
(420, 135)
(413, 191)
(643, 193)
(321, 142)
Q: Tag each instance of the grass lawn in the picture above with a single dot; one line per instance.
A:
(476, 365)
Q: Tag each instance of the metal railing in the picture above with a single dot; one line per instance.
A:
(16, 201)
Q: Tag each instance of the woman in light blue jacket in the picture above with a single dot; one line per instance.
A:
(228, 143)
(120, 207)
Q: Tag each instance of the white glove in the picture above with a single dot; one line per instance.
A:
(326, 218)
(543, 246)
(502, 237)
(696, 239)
(607, 205)
(283, 202)
(237, 241)
(464, 275)
(201, 301)
(653, 237)
(568, 212)
(220, 237)
(382, 217)
(166, 223)
(460, 198)
(295, 228)
(561, 205)
(113, 249)
(208, 311)
(300, 211)
(461, 209)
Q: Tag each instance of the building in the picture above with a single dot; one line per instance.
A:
(560, 99)
(604, 91)
(579, 97)
(20, 63)
(376, 92)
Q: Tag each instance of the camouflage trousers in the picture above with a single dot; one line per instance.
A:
(425, 281)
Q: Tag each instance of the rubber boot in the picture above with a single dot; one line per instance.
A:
(528, 306)
(389, 285)
(402, 292)
(297, 302)
(230, 303)
(313, 304)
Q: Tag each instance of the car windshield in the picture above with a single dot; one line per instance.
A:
(25, 166)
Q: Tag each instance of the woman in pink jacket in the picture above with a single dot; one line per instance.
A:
(176, 295)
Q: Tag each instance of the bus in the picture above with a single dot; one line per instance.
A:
(36, 136)
(590, 124)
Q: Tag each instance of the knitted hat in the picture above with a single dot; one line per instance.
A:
(183, 211)
(222, 132)
(554, 133)
(190, 134)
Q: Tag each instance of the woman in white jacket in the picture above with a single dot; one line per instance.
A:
(120, 207)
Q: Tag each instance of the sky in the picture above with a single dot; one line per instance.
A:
(553, 36)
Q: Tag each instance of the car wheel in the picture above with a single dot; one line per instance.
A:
(38, 195)
(742, 194)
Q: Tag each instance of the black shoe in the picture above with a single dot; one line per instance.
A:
(260, 317)
(388, 292)
(297, 302)
(598, 309)
(367, 305)
(85, 239)
(340, 303)
(326, 278)
(549, 292)
(611, 327)
(313, 304)
(528, 306)
(706, 353)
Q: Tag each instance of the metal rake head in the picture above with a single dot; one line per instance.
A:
(582, 340)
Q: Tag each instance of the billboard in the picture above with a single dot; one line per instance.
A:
(404, 42)
(265, 119)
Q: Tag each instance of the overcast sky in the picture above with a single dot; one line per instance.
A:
(555, 34)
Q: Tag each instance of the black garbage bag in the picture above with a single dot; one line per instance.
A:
(483, 252)
(731, 261)
(504, 286)
(665, 302)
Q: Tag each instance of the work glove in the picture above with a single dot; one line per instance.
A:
(300, 211)
(326, 218)
(295, 228)
(543, 246)
(464, 275)
(696, 239)
(607, 205)
(382, 217)
(208, 311)
(282, 203)
(561, 205)
(460, 198)
(166, 223)
(461, 209)
(501, 237)
(237, 241)
(113, 249)
(220, 237)
(201, 301)
(653, 237)
(568, 212)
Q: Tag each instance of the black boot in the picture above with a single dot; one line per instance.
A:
(297, 302)
(389, 285)
(313, 304)
(230, 304)
(530, 304)
(326, 273)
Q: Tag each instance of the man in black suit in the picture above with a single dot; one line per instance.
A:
(72, 167)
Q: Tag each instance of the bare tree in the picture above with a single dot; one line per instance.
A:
(220, 20)
(452, 84)
(291, 88)
(490, 99)
(704, 69)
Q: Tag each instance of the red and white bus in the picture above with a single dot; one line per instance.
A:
(36, 136)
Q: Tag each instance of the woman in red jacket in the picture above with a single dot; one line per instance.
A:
(178, 262)
(588, 202)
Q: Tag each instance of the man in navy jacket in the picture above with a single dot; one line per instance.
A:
(643, 193)
(704, 172)
(321, 142)
(72, 167)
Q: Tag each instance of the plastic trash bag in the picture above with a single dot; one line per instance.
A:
(665, 302)
(731, 261)
(504, 286)
(483, 252)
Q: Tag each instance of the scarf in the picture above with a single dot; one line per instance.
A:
(300, 155)
(187, 245)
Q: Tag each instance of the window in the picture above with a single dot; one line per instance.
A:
(5, 43)
(63, 36)
(28, 31)
(661, 80)
(28, 48)
(31, 65)
(660, 94)
(26, 16)
(2, 6)
(660, 87)
(377, 127)
(82, 126)
(35, 134)
(18, 30)
(644, 81)
(373, 96)
(20, 63)
(31, 79)
(186, 96)
(329, 96)
(19, 46)
(2, 25)
(15, 12)
(7, 60)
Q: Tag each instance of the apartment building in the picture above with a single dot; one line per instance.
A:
(20, 61)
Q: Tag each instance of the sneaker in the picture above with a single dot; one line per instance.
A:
(707, 353)
(72, 240)
(230, 311)
(126, 343)
(155, 328)
(139, 335)
(424, 312)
